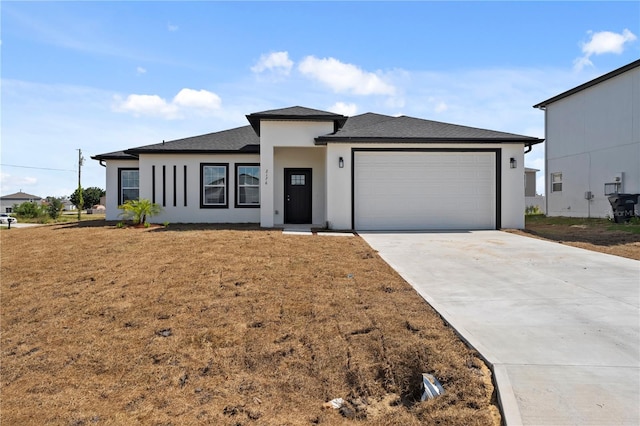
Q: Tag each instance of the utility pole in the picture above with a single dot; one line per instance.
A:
(80, 199)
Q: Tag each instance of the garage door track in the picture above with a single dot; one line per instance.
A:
(559, 325)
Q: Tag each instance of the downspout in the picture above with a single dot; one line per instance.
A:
(546, 160)
(102, 163)
(589, 188)
(547, 192)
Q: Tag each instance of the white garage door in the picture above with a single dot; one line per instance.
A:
(424, 190)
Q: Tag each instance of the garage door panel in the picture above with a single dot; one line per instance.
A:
(424, 190)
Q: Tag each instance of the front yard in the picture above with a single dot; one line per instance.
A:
(198, 325)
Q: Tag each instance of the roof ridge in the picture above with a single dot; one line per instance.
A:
(461, 125)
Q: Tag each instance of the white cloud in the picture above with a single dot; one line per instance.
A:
(202, 99)
(277, 62)
(152, 105)
(172, 27)
(8, 181)
(344, 108)
(199, 101)
(441, 107)
(141, 70)
(603, 42)
(344, 78)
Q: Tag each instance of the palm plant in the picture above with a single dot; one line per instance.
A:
(139, 210)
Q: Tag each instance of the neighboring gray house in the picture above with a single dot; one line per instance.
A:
(301, 165)
(7, 202)
(593, 143)
(530, 182)
(531, 197)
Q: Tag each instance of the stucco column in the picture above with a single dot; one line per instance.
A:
(266, 187)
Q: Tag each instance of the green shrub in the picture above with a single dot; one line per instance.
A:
(532, 210)
(29, 210)
(139, 210)
(55, 207)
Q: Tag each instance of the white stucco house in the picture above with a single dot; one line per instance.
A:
(592, 147)
(304, 166)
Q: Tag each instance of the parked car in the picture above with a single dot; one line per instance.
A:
(5, 218)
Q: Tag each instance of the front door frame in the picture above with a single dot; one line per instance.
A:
(304, 214)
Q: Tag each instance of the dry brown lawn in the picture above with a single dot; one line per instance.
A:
(195, 325)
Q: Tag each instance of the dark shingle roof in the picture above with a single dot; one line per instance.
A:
(241, 139)
(20, 196)
(295, 113)
(363, 128)
(405, 129)
(364, 120)
(588, 84)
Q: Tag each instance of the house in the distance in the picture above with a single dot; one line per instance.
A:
(68, 204)
(531, 197)
(304, 166)
(8, 202)
(593, 143)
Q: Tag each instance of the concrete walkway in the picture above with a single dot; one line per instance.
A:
(559, 325)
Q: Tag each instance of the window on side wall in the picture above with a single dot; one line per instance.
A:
(128, 185)
(214, 180)
(556, 182)
(247, 185)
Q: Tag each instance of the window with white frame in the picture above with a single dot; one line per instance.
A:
(556, 182)
(214, 189)
(247, 185)
(128, 185)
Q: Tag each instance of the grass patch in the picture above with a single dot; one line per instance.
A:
(565, 221)
(63, 218)
(207, 325)
(595, 234)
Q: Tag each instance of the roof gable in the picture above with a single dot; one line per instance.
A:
(590, 83)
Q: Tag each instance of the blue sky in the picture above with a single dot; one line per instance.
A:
(106, 76)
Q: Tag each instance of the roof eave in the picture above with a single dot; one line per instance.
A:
(113, 157)
(323, 140)
(245, 150)
(254, 119)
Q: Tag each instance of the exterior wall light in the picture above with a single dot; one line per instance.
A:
(513, 163)
(341, 162)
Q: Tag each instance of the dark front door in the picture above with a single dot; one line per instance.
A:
(297, 195)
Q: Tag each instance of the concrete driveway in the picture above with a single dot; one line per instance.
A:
(559, 325)
(20, 225)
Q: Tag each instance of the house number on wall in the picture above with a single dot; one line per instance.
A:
(266, 176)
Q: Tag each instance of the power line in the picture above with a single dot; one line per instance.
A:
(38, 168)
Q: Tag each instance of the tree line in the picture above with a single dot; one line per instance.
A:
(53, 206)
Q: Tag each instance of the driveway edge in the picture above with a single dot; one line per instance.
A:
(506, 397)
